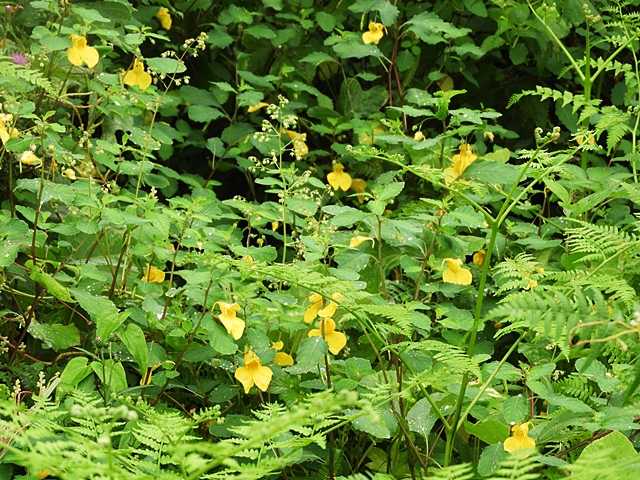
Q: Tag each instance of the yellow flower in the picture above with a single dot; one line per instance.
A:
(338, 179)
(29, 158)
(81, 52)
(316, 304)
(253, 373)
(164, 17)
(330, 309)
(282, 359)
(445, 83)
(69, 173)
(358, 185)
(520, 439)
(460, 162)
(359, 240)
(299, 146)
(336, 340)
(375, 33)
(6, 133)
(137, 76)
(532, 283)
(275, 225)
(590, 141)
(455, 273)
(153, 275)
(255, 108)
(479, 256)
(419, 136)
(228, 318)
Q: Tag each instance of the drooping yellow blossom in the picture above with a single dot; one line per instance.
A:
(359, 240)
(532, 283)
(330, 309)
(520, 439)
(336, 340)
(338, 179)
(80, 52)
(69, 173)
(148, 376)
(445, 83)
(137, 76)
(29, 158)
(228, 318)
(153, 275)
(460, 162)
(299, 146)
(590, 141)
(253, 373)
(375, 33)
(281, 359)
(316, 304)
(275, 225)
(44, 473)
(455, 273)
(6, 132)
(419, 136)
(255, 108)
(164, 17)
(479, 256)
(358, 185)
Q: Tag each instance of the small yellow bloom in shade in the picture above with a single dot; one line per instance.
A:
(247, 258)
(520, 439)
(82, 53)
(330, 309)
(455, 273)
(137, 76)
(44, 473)
(6, 132)
(590, 141)
(29, 158)
(359, 240)
(316, 304)
(375, 33)
(419, 136)
(338, 179)
(164, 17)
(479, 256)
(336, 340)
(228, 318)
(69, 173)
(253, 373)
(532, 283)
(255, 108)
(460, 162)
(274, 226)
(358, 185)
(281, 359)
(153, 275)
(299, 146)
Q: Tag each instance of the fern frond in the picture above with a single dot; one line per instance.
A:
(515, 467)
(16, 74)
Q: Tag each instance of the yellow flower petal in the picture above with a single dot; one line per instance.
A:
(164, 17)
(299, 146)
(460, 162)
(520, 439)
(358, 185)
(153, 275)
(228, 318)
(375, 33)
(283, 359)
(29, 158)
(479, 256)
(277, 346)
(316, 304)
(137, 76)
(419, 136)
(253, 373)
(330, 309)
(455, 273)
(80, 52)
(69, 173)
(255, 108)
(338, 179)
(336, 340)
(359, 240)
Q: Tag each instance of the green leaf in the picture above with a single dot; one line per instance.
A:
(260, 31)
(102, 311)
(316, 58)
(74, 372)
(515, 409)
(420, 419)
(492, 172)
(310, 352)
(326, 21)
(111, 374)
(518, 53)
(389, 192)
(56, 336)
(618, 445)
(490, 459)
(204, 114)
(353, 48)
(54, 287)
(168, 66)
(221, 341)
(8, 253)
(489, 430)
(134, 339)
(432, 29)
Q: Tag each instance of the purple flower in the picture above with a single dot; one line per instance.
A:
(19, 59)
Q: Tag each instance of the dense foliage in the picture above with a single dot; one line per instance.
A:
(291, 239)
